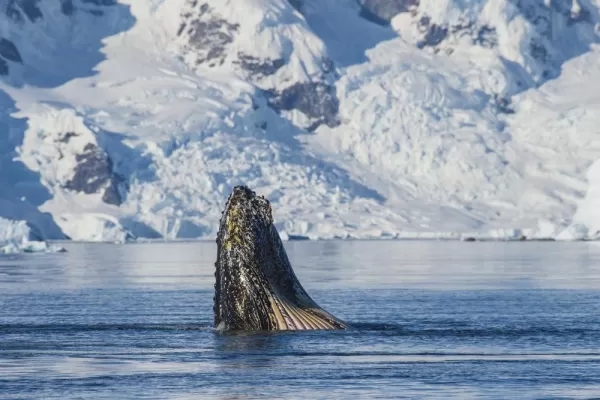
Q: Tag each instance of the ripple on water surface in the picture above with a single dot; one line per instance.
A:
(430, 320)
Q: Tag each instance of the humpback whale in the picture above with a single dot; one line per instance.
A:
(256, 288)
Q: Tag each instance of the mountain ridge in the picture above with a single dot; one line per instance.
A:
(424, 123)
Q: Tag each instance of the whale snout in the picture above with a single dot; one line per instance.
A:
(246, 218)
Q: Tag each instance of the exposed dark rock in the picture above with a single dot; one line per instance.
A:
(67, 7)
(469, 239)
(67, 136)
(328, 67)
(486, 37)
(3, 67)
(181, 28)
(94, 172)
(256, 66)
(9, 51)
(208, 34)
(316, 100)
(547, 20)
(382, 11)
(503, 104)
(16, 9)
(434, 36)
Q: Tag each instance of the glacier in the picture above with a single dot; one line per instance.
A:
(133, 119)
(15, 238)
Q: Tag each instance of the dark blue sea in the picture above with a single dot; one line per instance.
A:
(431, 319)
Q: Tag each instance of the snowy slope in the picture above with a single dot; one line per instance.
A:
(134, 119)
(433, 124)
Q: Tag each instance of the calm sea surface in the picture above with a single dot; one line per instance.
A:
(431, 320)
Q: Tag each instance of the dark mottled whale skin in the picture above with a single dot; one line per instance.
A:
(256, 288)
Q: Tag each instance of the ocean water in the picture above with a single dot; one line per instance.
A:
(431, 319)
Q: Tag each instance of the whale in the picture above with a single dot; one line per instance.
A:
(255, 286)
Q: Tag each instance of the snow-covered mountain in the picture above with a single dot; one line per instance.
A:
(124, 119)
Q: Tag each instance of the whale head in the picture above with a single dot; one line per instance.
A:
(256, 288)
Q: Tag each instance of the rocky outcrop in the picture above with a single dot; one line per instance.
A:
(257, 67)
(211, 40)
(434, 34)
(208, 35)
(74, 160)
(316, 100)
(94, 173)
(552, 20)
(553, 32)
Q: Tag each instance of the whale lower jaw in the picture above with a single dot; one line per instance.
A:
(286, 316)
(291, 317)
(298, 319)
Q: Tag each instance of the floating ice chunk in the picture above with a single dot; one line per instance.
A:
(31, 247)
